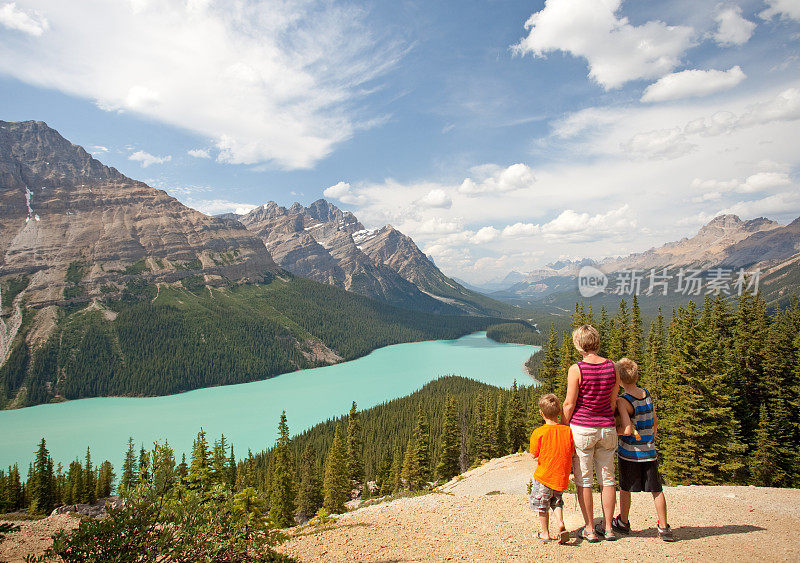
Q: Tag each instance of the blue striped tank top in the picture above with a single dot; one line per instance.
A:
(630, 448)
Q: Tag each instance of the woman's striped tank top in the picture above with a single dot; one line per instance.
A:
(630, 448)
(593, 407)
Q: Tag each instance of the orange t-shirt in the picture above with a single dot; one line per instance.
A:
(553, 445)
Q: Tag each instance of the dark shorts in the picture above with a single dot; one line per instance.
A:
(543, 497)
(639, 476)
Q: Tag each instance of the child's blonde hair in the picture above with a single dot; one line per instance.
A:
(586, 339)
(628, 371)
(550, 406)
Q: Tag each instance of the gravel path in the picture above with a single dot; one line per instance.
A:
(463, 523)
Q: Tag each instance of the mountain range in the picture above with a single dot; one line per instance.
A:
(111, 287)
(726, 242)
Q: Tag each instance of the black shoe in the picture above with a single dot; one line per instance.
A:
(600, 530)
(665, 533)
(619, 526)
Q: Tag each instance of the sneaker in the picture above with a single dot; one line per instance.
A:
(619, 526)
(665, 533)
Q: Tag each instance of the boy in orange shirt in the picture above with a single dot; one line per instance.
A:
(552, 444)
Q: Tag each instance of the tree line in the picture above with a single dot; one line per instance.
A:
(724, 378)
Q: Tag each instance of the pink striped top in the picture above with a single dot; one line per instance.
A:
(593, 407)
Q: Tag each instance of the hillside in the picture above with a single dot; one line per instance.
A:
(462, 522)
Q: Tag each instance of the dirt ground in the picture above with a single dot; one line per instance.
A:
(34, 536)
(463, 522)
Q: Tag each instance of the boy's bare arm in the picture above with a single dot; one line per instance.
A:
(625, 425)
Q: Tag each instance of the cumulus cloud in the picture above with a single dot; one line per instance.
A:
(436, 198)
(521, 230)
(269, 81)
(570, 224)
(784, 203)
(692, 83)
(783, 107)
(616, 51)
(732, 28)
(12, 17)
(199, 153)
(759, 182)
(484, 235)
(786, 9)
(146, 159)
(494, 179)
(343, 191)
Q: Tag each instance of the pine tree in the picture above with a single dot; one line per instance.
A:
(549, 372)
(396, 474)
(411, 474)
(105, 480)
(336, 485)
(144, 465)
(282, 497)
(604, 329)
(421, 439)
(501, 427)
(130, 475)
(231, 476)
(517, 437)
(42, 493)
(355, 458)
(200, 469)
(633, 340)
(567, 358)
(764, 460)
(450, 449)
(618, 332)
(163, 465)
(183, 469)
(219, 461)
(89, 482)
(309, 494)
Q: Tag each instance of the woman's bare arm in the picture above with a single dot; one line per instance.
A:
(573, 382)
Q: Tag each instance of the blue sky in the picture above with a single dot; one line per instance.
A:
(500, 135)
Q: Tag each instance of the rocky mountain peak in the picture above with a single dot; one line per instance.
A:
(33, 154)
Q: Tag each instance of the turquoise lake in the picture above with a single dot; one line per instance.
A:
(248, 413)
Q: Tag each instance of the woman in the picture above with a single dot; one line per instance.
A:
(592, 388)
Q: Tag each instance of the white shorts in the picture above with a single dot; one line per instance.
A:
(594, 450)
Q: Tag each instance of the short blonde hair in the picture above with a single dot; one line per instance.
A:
(586, 339)
(550, 406)
(628, 371)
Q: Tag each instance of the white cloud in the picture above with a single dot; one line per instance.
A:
(269, 81)
(146, 159)
(12, 17)
(570, 224)
(199, 153)
(521, 230)
(494, 179)
(617, 52)
(98, 149)
(732, 28)
(786, 9)
(785, 203)
(436, 198)
(783, 107)
(218, 206)
(692, 84)
(666, 144)
(484, 235)
(343, 191)
(758, 182)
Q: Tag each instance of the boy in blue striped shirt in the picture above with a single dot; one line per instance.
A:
(638, 459)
